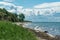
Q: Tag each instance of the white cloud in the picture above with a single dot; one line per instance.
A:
(10, 7)
(12, 10)
(48, 5)
(28, 11)
(48, 8)
(45, 9)
(7, 4)
(19, 9)
(44, 12)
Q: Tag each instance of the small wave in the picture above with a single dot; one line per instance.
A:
(37, 28)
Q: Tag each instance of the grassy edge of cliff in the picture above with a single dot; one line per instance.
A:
(9, 31)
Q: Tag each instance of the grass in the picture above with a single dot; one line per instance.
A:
(9, 31)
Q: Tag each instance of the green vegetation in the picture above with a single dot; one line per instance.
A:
(9, 31)
(5, 15)
(21, 17)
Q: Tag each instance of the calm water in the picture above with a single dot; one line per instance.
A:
(51, 27)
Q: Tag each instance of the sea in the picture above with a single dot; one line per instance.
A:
(52, 27)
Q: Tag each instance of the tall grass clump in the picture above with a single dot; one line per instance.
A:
(9, 31)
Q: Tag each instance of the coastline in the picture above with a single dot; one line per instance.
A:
(39, 33)
(42, 35)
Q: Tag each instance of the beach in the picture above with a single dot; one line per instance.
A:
(40, 33)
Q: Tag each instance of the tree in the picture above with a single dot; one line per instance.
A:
(2, 15)
(14, 17)
(21, 17)
(5, 15)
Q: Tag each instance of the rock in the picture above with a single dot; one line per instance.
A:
(45, 31)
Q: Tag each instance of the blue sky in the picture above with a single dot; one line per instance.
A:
(30, 3)
(37, 10)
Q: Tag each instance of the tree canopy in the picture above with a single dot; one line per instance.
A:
(21, 17)
(9, 16)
